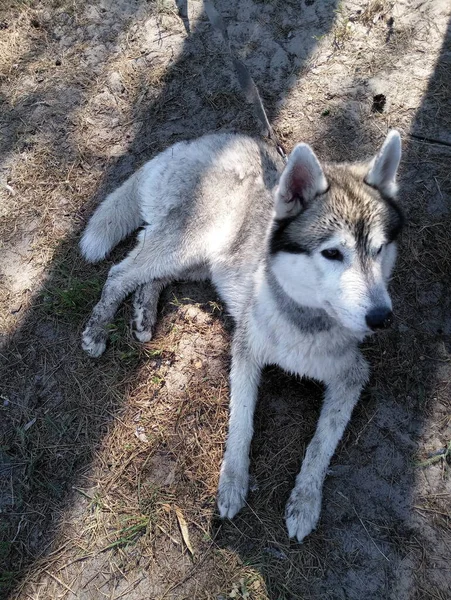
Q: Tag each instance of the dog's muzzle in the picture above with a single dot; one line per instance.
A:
(379, 318)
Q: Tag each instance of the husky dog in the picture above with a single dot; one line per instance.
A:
(301, 254)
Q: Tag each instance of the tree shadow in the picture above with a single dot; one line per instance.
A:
(378, 537)
(59, 405)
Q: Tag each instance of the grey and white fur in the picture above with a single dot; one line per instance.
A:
(301, 255)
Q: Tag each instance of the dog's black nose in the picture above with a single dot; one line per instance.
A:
(379, 318)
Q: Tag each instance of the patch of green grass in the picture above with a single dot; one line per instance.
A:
(127, 350)
(130, 534)
(118, 330)
(58, 428)
(150, 497)
(180, 301)
(439, 455)
(71, 298)
(129, 355)
(7, 580)
(155, 353)
(5, 549)
(343, 27)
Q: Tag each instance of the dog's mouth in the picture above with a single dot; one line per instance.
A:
(354, 326)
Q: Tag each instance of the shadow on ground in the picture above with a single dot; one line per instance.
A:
(57, 404)
(379, 509)
(59, 407)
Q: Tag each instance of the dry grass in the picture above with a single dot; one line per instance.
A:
(374, 11)
(101, 462)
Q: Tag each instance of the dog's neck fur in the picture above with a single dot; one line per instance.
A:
(305, 318)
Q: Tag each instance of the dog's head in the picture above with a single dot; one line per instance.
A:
(333, 243)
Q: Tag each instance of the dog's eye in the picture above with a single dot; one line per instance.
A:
(332, 254)
(380, 250)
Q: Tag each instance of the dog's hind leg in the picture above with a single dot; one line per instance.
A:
(150, 260)
(145, 302)
(145, 305)
(122, 279)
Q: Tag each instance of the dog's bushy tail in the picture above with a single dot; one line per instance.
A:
(116, 217)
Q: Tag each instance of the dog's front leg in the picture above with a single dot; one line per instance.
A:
(342, 394)
(234, 477)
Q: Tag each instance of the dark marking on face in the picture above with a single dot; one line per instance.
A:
(395, 221)
(281, 240)
(362, 232)
(349, 204)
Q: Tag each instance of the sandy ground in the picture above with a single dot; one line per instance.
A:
(108, 468)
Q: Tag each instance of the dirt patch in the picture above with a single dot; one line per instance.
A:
(103, 462)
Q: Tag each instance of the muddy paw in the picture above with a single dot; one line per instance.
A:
(302, 513)
(93, 343)
(232, 492)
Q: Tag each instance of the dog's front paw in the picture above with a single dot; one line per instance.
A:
(302, 513)
(232, 492)
(94, 342)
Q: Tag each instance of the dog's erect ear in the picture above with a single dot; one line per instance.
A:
(301, 181)
(383, 168)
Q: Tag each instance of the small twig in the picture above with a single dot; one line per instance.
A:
(168, 534)
(368, 534)
(58, 580)
(82, 493)
(428, 140)
(130, 588)
(432, 510)
(437, 456)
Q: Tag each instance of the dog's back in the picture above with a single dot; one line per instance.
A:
(206, 184)
(212, 198)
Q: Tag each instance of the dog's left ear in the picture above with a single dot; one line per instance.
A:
(383, 168)
(300, 182)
